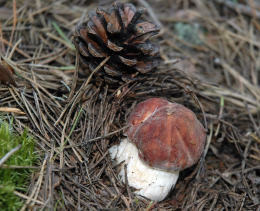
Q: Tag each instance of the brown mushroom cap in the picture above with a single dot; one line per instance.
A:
(141, 112)
(167, 135)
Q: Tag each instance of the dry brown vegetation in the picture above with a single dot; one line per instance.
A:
(213, 68)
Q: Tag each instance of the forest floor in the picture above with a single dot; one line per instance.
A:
(210, 63)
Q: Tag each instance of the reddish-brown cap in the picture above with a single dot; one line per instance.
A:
(141, 112)
(167, 135)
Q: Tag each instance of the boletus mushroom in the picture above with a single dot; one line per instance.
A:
(163, 138)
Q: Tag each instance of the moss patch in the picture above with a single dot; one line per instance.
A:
(189, 32)
(14, 179)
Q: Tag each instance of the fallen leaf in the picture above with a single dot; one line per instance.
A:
(6, 74)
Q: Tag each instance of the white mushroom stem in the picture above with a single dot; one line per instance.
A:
(151, 183)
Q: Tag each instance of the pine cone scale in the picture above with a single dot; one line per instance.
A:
(96, 51)
(111, 71)
(148, 49)
(98, 29)
(112, 46)
(112, 20)
(126, 14)
(128, 62)
(83, 51)
(144, 28)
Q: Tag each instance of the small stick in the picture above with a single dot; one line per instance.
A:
(11, 110)
(9, 154)
(14, 48)
(4, 166)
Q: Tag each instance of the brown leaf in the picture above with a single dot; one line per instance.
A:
(6, 74)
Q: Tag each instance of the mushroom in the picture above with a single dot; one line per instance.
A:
(163, 138)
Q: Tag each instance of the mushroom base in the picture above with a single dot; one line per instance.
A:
(151, 183)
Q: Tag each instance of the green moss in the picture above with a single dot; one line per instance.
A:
(14, 179)
(189, 32)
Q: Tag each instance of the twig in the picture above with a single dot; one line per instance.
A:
(9, 154)
(14, 48)
(4, 166)
(96, 69)
(11, 110)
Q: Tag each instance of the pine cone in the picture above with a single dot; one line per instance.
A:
(119, 33)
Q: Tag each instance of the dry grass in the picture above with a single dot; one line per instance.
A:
(75, 123)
